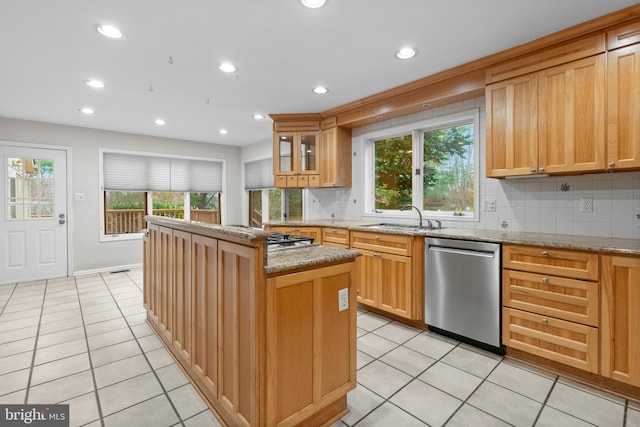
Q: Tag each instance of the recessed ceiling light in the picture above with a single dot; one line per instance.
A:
(258, 116)
(97, 84)
(320, 90)
(223, 131)
(406, 53)
(313, 4)
(227, 67)
(87, 110)
(160, 122)
(109, 31)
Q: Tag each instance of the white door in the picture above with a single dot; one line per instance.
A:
(33, 221)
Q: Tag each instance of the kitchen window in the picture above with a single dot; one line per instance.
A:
(265, 203)
(137, 184)
(432, 164)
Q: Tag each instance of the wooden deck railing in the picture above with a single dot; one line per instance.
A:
(122, 221)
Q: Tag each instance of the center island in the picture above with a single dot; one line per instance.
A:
(266, 336)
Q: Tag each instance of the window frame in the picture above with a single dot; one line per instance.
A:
(417, 130)
(148, 194)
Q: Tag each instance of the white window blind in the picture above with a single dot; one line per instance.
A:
(258, 174)
(134, 172)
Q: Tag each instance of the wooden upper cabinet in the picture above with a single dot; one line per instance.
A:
(512, 132)
(571, 116)
(623, 35)
(335, 157)
(295, 158)
(623, 89)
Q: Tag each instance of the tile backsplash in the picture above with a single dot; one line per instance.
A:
(544, 205)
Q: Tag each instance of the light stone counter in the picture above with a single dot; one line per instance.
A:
(562, 241)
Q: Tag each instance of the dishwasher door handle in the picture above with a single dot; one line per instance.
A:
(462, 252)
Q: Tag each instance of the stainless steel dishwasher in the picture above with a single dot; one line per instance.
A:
(462, 290)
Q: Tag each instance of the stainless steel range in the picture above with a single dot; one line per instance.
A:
(278, 241)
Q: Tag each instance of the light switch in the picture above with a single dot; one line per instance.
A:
(343, 299)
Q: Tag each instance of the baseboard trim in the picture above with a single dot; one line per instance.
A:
(106, 269)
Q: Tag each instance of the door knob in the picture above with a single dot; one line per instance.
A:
(61, 216)
(61, 221)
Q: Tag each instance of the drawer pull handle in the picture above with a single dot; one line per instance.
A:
(545, 321)
(377, 254)
(545, 254)
(545, 280)
(377, 237)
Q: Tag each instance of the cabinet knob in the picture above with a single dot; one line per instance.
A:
(541, 170)
(358, 291)
(545, 280)
(533, 170)
(377, 237)
(545, 321)
(545, 254)
(612, 164)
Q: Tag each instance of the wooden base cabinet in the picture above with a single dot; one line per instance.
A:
(551, 304)
(272, 351)
(620, 319)
(389, 274)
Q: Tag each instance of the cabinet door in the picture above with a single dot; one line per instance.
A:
(307, 146)
(283, 153)
(623, 88)
(335, 157)
(571, 116)
(395, 282)
(512, 127)
(366, 276)
(620, 319)
(181, 295)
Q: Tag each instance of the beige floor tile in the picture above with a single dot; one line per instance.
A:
(382, 378)
(408, 361)
(114, 353)
(203, 419)
(60, 368)
(521, 381)
(121, 370)
(468, 416)
(360, 402)
(633, 418)
(387, 415)
(101, 316)
(374, 345)
(586, 406)
(98, 308)
(426, 403)
(127, 393)
(54, 317)
(15, 362)
(18, 334)
(159, 358)
(60, 351)
(11, 325)
(15, 398)
(429, 345)
(370, 322)
(187, 401)
(15, 347)
(61, 325)
(54, 308)
(14, 381)
(83, 409)
(109, 338)
(60, 337)
(150, 343)
(171, 376)
(510, 407)
(106, 326)
(34, 312)
(156, 412)
(396, 332)
(451, 380)
(62, 389)
(471, 362)
(363, 359)
(550, 417)
(142, 330)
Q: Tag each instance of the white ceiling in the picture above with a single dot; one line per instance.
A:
(282, 50)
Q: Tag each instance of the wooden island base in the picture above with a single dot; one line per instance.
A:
(265, 345)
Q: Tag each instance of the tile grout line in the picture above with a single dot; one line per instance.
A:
(35, 344)
(153, 370)
(4, 306)
(93, 375)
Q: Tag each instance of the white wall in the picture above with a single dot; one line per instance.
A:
(89, 254)
(533, 205)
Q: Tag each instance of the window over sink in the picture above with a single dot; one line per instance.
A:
(433, 164)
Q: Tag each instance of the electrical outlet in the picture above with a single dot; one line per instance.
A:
(636, 216)
(343, 299)
(586, 204)
(489, 205)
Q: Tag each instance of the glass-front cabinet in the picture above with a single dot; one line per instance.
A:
(296, 159)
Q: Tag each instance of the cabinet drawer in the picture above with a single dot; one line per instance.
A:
(567, 299)
(558, 340)
(280, 181)
(292, 181)
(558, 262)
(335, 235)
(381, 242)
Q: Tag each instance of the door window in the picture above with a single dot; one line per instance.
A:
(30, 188)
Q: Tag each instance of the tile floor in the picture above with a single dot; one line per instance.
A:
(84, 341)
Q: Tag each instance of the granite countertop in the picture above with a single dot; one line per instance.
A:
(303, 257)
(215, 230)
(561, 241)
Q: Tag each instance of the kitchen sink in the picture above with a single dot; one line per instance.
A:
(385, 226)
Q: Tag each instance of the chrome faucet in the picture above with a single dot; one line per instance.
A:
(429, 224)
(439, 224)
(417, 210)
